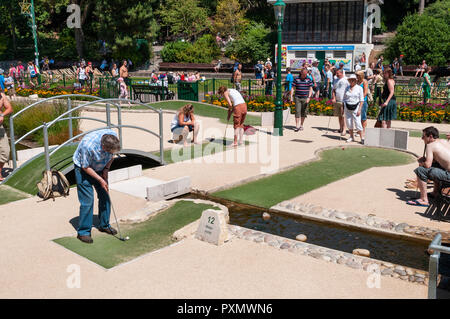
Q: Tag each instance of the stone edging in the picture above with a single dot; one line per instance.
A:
(372, 266)
(369, 223)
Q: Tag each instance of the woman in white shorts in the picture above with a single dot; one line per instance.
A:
(353, 103)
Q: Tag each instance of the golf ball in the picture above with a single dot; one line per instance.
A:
(126, 238)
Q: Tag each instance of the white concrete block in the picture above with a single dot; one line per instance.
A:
(286, 114)
(118, 175)
(387, 137)
(401, 139)
(168, 190)
(267, 119)
(134, 171)
(372, 137)
(155, 193)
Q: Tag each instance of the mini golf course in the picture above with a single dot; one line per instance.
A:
(10, 194)
(145, 237)
(202, 109)
(334, 164)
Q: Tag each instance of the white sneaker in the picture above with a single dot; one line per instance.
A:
(350, 140)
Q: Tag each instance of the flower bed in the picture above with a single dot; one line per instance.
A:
(46, 92)
(412, 111)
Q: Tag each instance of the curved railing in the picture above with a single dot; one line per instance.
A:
(67, 116)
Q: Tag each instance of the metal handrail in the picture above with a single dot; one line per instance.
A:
(435, 249)
(62, 117)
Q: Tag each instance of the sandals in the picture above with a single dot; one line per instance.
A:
(416, 202)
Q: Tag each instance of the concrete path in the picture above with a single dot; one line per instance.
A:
(32, 266)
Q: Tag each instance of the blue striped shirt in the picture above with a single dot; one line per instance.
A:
(90, 153)
(302, 87)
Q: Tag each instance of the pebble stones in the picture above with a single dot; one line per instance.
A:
(266, 216)
(361, 252)
(301, 238)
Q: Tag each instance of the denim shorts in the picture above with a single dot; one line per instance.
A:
(178, 127)
(364, 111)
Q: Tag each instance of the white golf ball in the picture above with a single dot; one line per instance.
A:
(126, 238)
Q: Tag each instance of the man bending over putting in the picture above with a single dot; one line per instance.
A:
(93, 159)
(434, 166)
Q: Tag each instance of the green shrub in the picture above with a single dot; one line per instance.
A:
(421, 37)
(254, 44)
(204, 50)
(36, 116)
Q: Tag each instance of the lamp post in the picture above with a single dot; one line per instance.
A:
(27, 9)
(279, 7)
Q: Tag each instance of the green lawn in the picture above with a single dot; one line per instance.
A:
(29, 175)
(10, 195)
(145, 237)
(203, 110)
(194, 151)
(334, 165)
(413, 133)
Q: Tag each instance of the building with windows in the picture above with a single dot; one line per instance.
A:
(340, 30)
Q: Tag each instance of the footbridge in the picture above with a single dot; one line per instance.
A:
(26, 175)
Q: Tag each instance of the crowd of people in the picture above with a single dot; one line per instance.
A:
(350, 95)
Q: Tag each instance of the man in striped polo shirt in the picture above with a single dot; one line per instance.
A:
(303, 92)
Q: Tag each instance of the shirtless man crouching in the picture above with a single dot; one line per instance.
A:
(434, 166)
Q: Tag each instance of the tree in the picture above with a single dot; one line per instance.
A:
(204, 50)
(421, 6)
(439, 10)
(121, 23)
(229, 19)
(184, 18)
(255, 43)
(421, 37)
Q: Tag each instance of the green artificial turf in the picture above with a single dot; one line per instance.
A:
(414, 133)
(26, 178)
(145, 237)
(193, 151)
(202, 110)
(334, 165)
(9, 195)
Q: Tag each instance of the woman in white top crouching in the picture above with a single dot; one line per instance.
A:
(183, 123)
(353, 102)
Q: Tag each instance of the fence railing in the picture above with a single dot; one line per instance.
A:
(67, 116)
(435, 249)
(108, 87)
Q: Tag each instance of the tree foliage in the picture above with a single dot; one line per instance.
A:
(184, 18)
(254, 43)
(421, 37)
(229, 20)
(204, 50)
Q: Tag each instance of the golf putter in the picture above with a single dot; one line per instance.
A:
(117, 223)
(328, 127)
(225, 134)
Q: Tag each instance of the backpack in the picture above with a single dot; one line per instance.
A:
(53, 184)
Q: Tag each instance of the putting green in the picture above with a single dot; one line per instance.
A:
(202, 109)
(145, 237)
(334, 165)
